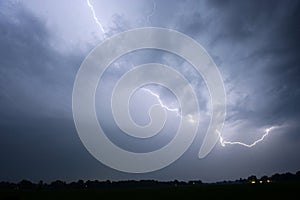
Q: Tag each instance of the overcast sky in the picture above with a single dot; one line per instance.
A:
(255, 45)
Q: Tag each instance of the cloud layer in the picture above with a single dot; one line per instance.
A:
(254, 43)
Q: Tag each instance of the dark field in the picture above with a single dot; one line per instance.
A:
(209, 191)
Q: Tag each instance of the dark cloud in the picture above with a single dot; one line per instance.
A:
(29, 68)
(36, 126)
(255, 44)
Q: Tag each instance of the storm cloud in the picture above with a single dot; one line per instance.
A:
(255, 44)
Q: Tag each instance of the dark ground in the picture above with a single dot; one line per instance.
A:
(205, 191)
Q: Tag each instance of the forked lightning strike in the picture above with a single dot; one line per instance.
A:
(222, 141)
(267, 131)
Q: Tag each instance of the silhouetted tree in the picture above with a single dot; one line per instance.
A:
(287, 177)
(40, 185)
(298, 175)
(264, 179)
(252, 179)
(25, 184)
(58, 184)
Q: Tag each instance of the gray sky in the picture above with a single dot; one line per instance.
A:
(255, 44)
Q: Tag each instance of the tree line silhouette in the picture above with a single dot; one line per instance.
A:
(95, 184)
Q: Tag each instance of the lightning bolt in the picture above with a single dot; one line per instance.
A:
(266, 133)
(95, 17)
(152, 12)
(160, 101)
(222, 141)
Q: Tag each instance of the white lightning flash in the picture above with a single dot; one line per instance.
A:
(95, 17)
(267, 131)
(160, 101)
(222, 141)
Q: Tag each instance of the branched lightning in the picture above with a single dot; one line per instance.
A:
(95, 17)
(152, 12)
(222, 141)
(267, 131)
